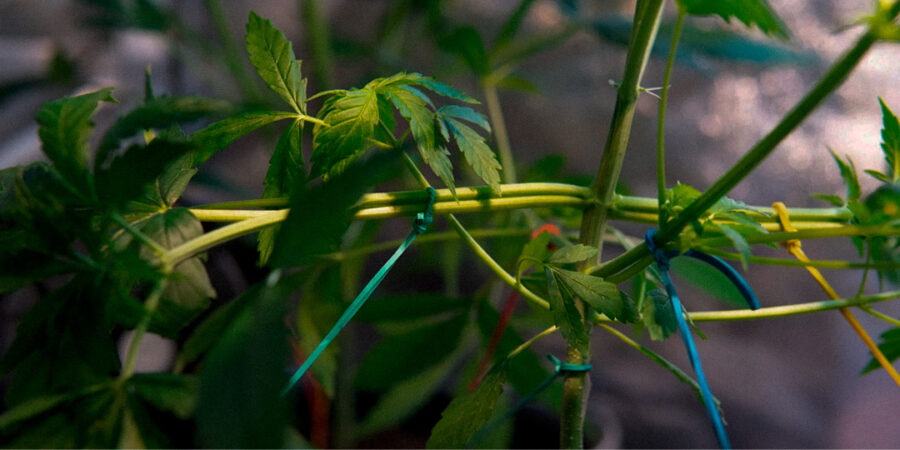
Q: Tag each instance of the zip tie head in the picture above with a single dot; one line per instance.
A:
(562, 367)
(423, 219)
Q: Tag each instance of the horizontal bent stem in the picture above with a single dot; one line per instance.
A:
(791, 310)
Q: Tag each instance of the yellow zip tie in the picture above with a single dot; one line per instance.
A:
(793, 246)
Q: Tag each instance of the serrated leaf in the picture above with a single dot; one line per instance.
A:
(848, 174)
(352, 117)
(219, 135)
(750, 12)
(402, 356)
(468, 413)
(159, 112)
(188, 290)
(534, 249)
(64, 128)
(573, 254)
(708, 279)
(239, 403)
(890, 140)
(464, 113)
(273, 57)
(657, 315)
(565, 315)
(417, 79)
(889, 346)
(285, 171)
(599, 293)
(128, 175)
(477, 153)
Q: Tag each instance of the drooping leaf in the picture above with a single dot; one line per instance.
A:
(657, 315)
(220, 134)
(128, 175)
(64, 128)
(475, 149)
(468, 413)
(573, 254)
(848, 174)
(156, 113)
(464, 113)
(320, 214)
(239, 403)
(419, 80)
(273, 57)
(750, 12)
(889, 346)
(64, 342)
(599, 293)
(285, 171)
(188, 290)
(565, 315)
(740, 244)
(211, 330)
(351, 119)
(890, 141)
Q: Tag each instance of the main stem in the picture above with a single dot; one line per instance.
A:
(577, 385)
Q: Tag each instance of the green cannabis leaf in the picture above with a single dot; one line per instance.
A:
(750, 12)
(889, 346)
(890, 144)
(285, 171)
(468, 412)
(573, 254)
(64, 128)
(597, 292)
(273, 57)
(219, 135)
(565, 315)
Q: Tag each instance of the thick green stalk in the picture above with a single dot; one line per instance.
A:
(576, 386)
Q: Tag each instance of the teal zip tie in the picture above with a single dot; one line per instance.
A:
(661, 257)
(560, 369)
(420, 224)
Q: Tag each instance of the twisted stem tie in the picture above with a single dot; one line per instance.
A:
(420, 224)
(795, 248)
(662, 257)
(560, 368)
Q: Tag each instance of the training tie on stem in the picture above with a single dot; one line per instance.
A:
(560, 368)
(794, 247)
(662, 257)
(420, 224)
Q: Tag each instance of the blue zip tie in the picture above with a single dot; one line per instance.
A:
(662, 257)
(420, 224)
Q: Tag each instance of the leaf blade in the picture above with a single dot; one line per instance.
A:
(273, 57)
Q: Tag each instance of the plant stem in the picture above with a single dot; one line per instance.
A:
(576, 386)
(790, 310)
(661, 123)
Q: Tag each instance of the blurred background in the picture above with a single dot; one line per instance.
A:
(791, 382)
